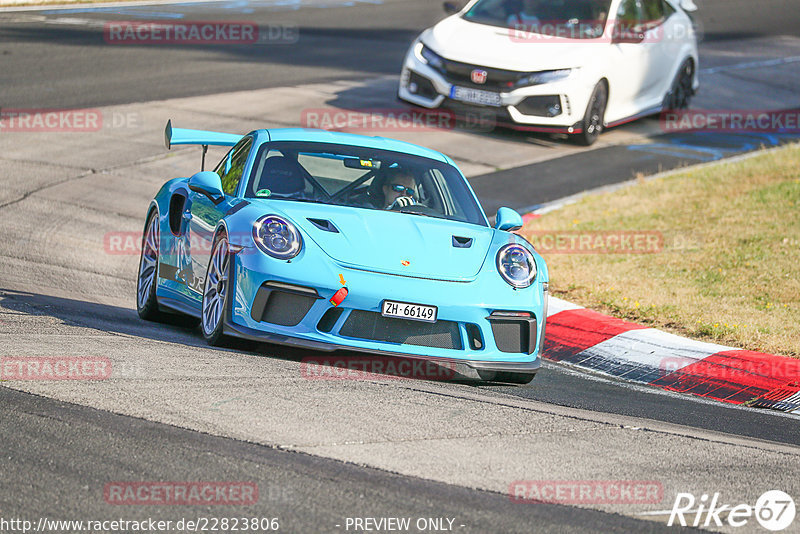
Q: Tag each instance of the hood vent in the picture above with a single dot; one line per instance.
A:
(324, 225)
(462, 242)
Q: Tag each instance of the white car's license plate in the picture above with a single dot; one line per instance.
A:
(406, 310)
(475, 96)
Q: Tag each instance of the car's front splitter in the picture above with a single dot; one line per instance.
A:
(455, 369)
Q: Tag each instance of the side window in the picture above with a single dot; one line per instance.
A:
(258, 170)
(653, 12)
(629, 13)
(231, 168)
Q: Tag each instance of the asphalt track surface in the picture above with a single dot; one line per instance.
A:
(65, 64)
(56, 455)
(47, 476)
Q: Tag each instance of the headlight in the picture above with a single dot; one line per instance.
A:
(426, 55)
(545, 76)
(277, 237)
(516, 265)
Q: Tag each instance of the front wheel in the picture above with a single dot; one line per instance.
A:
(594, 118)
(215, 292)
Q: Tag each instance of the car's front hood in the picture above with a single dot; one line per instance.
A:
(490, 46)
(392, 242)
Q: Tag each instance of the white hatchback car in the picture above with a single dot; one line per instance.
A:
(562, 66)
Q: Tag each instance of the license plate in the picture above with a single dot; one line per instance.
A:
(475, 96)
(406, 310)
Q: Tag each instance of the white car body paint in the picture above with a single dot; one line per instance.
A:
(639, 75)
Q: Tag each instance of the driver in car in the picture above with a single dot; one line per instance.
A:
(399, 189)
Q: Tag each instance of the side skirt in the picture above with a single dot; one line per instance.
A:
(172, 305)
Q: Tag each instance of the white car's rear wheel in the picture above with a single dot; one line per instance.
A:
(681, 92)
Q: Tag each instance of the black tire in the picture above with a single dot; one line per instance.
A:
(593, 121)
(146, 302)
(213, 329)
(681, 91)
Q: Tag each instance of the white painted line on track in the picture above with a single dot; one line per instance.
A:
(556, 305)
(751, 65)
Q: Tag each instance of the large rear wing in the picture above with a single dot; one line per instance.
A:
(183, 136)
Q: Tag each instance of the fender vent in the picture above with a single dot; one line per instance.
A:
(462, 242)
(176, 206)
(237, 207)
(324, 225)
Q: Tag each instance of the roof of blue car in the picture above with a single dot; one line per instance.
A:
(341, 138)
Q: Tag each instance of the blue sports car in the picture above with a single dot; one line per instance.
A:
(334, 241)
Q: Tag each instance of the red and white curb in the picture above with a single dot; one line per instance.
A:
(630, 351)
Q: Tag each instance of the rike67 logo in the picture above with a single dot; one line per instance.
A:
(774, 510)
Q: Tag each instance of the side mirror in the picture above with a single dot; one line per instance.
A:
(507, 219)
(451, 8)
(209, 184)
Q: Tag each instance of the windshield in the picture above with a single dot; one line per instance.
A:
(572, 19)
(362, 178)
